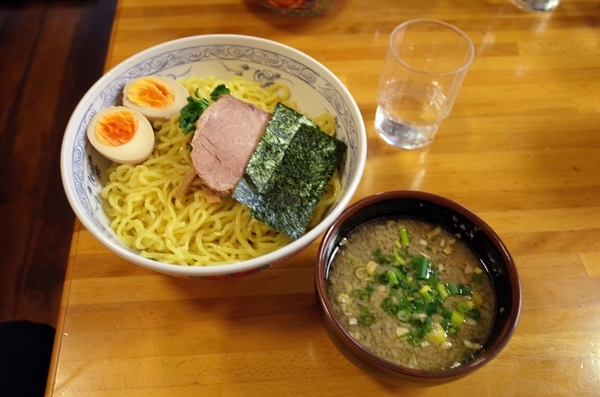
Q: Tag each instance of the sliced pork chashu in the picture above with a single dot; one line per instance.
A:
(226, 135)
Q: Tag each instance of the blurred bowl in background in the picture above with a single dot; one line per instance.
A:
(301, 7)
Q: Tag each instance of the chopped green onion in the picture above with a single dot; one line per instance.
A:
(441, 289)
(437, 335)
(422, 268)
(383, 278)
(404, 237)
(427, 297)
(366, 318)
(389, 306)
(413, 340)
(392, 277)
(452, 330)
(419, 305)
(424, 292)
(462, 307)
(431, 308)
(398, 258)
(465, 290)
(428, 324)
(399, 274)
(433, 277)
(403, 315)
(452, 289)
(382, 259)
(362, 294)
(474, 314)
(457, 318)
(402, 301)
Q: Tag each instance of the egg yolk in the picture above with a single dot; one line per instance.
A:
(116, 128)
(151, 93)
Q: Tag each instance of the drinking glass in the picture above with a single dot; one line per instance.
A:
(537, 5)
(424, 67)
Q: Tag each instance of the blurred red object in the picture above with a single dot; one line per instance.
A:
(301, 7)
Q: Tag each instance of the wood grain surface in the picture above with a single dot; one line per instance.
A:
(51, 53)
(521, 149)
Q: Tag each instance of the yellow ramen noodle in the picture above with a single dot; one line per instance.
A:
(139, 199)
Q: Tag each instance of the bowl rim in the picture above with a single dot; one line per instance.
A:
(249, 265)
(409, 373)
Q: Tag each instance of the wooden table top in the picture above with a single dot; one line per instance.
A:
(521, 149)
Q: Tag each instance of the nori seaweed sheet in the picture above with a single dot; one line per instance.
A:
(270, 150)
(290, 194)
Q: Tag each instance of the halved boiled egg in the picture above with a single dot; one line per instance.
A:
(121, 134)
(156, 97)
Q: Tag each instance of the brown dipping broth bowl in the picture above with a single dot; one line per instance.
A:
(455, 218)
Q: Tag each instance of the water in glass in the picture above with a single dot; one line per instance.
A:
(408, 116)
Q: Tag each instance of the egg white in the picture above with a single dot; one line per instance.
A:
(137, 150)
(152, 113)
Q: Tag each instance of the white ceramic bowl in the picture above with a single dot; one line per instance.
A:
(313, 87)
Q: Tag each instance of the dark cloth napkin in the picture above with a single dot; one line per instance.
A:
(25, 351)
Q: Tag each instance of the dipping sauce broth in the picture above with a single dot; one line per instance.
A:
(412, 293)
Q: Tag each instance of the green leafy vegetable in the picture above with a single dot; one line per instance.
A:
(191, 112)
(219, 90)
